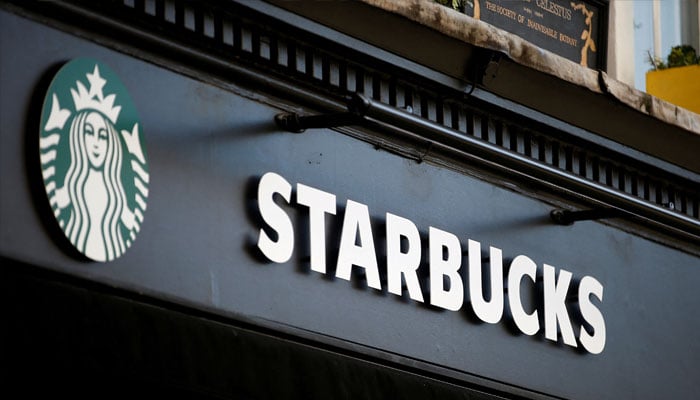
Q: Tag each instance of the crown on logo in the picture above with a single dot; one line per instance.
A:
(94, 99)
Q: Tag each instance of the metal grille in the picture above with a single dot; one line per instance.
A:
(219, 28)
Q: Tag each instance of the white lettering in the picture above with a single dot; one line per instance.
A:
(356, 225)
(403, 260)
(488, 311)
(279, 250)
(555, 305)
(439, 242)
(520, 267)
(594, 343)
(320, 203)
(399, 263)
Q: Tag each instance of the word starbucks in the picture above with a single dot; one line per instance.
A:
(357, 249)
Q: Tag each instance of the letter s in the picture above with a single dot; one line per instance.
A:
(594, 343)
(279, 251)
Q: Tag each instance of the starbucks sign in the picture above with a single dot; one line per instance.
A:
(93, 159)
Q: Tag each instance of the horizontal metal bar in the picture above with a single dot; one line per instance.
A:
(566, 217)
(296, 123)
(620, 204)
(293, 122)
(660, 217)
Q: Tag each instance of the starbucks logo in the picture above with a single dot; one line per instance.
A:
(93, 160)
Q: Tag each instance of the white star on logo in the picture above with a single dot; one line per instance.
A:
(96, 83)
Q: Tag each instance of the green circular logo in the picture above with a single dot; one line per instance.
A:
(93, 159)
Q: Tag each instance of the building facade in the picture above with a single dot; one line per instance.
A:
(375, 199)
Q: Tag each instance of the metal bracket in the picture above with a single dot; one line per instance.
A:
(362, 110)
(357, 108)
(566, 217)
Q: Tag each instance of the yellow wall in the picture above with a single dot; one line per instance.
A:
(679, 85)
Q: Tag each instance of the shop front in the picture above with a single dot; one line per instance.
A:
(235, 200)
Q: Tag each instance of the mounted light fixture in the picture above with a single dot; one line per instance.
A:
(566, 217)
(374, 114)
(357, 108)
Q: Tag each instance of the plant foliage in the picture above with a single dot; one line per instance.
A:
(454, 4)
(679, 56)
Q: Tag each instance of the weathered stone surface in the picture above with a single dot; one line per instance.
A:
(478, 33)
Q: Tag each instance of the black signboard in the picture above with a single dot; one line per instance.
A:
(569, 28)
